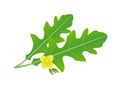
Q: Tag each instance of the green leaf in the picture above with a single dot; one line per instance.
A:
(36, 61)
(60, 26)
(74, 47)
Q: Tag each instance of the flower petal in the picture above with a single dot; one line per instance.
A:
(43, 59)
(51, 65)
(50, 58)
(44, 66)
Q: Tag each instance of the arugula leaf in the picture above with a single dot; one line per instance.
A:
(60, 26)
(74, 47)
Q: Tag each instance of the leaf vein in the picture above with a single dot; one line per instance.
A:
(78, 46)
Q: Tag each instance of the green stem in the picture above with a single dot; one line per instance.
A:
(20, 66)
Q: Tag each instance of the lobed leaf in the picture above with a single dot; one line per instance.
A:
(75, 47)
(60, 26)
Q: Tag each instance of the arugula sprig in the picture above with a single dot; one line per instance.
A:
(73, 47)
(40, 45)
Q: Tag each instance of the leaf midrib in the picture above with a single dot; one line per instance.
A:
(80, 45)
(48, 37)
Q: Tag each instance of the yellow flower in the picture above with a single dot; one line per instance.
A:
(46, 62)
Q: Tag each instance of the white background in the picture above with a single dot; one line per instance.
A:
(20, 18)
